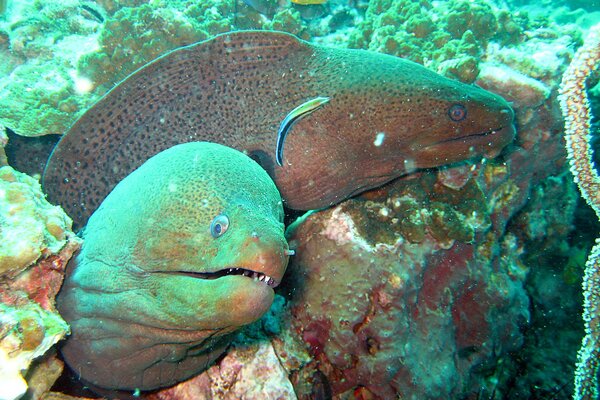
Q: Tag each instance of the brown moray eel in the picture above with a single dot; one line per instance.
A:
(386, 117)
(185, 250)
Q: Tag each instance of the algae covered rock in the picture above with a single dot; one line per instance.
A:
(133, 36)
(27, 332)
(251, 369)
(36, 243)
(39, 45)
(391, 308)
(449, 37)
(31, 227)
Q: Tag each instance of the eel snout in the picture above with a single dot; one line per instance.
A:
(486, 131)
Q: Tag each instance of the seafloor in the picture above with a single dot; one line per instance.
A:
(462, 282)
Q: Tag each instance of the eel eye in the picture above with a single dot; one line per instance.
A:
(457, 112)
(219, 225)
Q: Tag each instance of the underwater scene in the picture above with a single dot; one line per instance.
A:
(299, 199)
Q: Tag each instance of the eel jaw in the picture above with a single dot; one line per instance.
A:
(490, 142)
(257, 276)
(489, 132)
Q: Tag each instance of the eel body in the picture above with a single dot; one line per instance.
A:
(183, 251)
(386, 117)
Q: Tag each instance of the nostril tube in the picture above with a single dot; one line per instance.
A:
(289, 252)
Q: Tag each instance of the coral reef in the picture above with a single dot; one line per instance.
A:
(359, 297)
(35, 245)
(451, 258)
(575, 107)
(31, 227)
(133, 36)
(371, 313)
(39, 43)
(436, 35)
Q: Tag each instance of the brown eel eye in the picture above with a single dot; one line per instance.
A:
(457, 112)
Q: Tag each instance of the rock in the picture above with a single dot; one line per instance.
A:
(35, 244)
(391, 317)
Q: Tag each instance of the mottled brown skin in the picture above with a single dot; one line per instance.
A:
(236, 89)
(149, 298)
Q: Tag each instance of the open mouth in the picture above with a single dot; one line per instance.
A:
(257, 276)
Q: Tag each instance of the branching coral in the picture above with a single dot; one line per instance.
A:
(576, 110)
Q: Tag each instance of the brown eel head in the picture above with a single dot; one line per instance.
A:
(386, 117)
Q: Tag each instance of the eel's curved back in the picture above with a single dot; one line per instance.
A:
(236, 88)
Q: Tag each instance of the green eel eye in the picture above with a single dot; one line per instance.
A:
(219, 225)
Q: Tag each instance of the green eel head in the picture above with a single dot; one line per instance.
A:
(185, 250)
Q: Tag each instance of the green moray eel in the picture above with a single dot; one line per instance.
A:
(386, 117)
(182, 252)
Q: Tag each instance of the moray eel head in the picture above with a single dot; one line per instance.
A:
(386, 117)
(185, 250)
(462, 123)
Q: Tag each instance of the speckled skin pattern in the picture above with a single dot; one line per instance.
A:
(236, 89)
(144, 299)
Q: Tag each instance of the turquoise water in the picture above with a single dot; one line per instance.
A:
(435, 240)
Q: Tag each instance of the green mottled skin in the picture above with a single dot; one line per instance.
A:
(137, 320)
